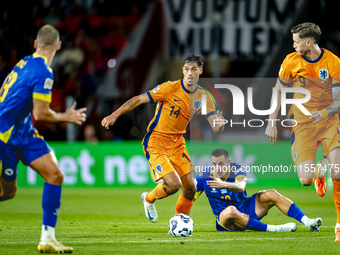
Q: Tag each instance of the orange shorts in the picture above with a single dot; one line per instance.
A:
(165, 154)
(307, 137)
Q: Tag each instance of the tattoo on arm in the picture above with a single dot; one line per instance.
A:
(128, 103)
(335, 106)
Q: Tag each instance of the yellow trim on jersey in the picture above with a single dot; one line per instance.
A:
(36, 134)
(213, 173)
(197, 195)
(43, 97)
(219, 223)
(0, 167)
(36, 55)
(240, 176)
(6, 135)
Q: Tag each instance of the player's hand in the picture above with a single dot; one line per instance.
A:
(219, 120)
(316, 116)
(216, 183)
(271, 132)
(109, 120)
(76, 116)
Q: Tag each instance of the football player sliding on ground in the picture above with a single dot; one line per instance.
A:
(225, 186)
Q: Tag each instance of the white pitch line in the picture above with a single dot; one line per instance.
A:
(132, 226)
(178, 239)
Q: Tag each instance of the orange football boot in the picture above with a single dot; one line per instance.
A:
(320, 183)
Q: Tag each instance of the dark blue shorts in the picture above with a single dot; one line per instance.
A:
(248, 207)
(32, 148)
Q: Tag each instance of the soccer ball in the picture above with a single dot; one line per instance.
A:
(181, 225)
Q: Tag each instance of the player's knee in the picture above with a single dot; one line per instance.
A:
(55, 178)
(306, 181)
(5, 195)
(272, 194)
(189, 191)
(230, 213)
(171, 187)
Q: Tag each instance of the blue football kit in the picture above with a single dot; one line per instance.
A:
(30, 78)
(220, 199)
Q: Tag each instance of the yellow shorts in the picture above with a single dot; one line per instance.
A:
(307, 137)
(166, 154)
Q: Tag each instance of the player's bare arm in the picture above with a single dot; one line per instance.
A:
(126, 107)
(238, 186)
(43, 112)
(271, 130)
(334, 108)
(217, 122)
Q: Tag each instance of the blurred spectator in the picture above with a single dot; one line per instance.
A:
(91, 35)
(90, 134)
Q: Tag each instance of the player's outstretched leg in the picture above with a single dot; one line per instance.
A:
(186, 198)
(288, 227)
(47, 167)
(150, 209)
(231, 218)
(336, 194)
(295, 212)
(314, 224)
(320, 181)
(51, 204)
(51, 245)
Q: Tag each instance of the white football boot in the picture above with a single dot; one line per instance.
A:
(53, 246)
(288, 227)
(314, 224)
(150, 209)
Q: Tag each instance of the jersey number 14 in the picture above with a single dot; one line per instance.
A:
(175, 112)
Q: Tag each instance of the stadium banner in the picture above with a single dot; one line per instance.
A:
(238, 29)
(119, 164)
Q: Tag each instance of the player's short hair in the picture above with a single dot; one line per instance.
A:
(47, 36)
(194, 58)
(306, 30)
(220, 152)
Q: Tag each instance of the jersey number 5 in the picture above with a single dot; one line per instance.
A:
(11, 78)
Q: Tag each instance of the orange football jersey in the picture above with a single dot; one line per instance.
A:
(176, 106)
(318, 76)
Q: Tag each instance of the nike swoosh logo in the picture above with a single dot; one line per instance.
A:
(176, 100)
(151, 218)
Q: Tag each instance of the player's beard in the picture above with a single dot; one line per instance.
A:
(304, 53)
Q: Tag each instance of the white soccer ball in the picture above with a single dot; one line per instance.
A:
(181, 225)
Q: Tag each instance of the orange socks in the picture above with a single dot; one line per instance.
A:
(183, 205)
(336, 194)
(156, 193)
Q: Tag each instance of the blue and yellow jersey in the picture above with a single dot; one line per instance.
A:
(220, 199)
(30, 78)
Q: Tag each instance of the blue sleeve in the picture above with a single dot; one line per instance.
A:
(238, 171)
(42, 84)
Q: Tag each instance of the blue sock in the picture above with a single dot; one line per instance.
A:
(255, 224)
(295, 212)
(51, 204)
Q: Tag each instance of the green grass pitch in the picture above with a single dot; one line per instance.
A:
(112, 221)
